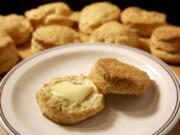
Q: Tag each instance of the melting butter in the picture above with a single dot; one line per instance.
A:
(74, 93)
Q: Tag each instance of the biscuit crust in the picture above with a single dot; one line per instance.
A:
(165, 44)
(60, 111)
(115, 32)
(38, 15)
(51, 36)
(59, 20)
(142, 20)
(113, 76)
(17, 27)
(144, 44)
(94, 15)
(8, 53)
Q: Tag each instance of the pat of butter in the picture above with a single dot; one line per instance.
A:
(74, 93)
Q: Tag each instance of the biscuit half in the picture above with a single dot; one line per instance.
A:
(142, 20)
(8, 53)
(165, 44)
(113, 76)
(64, 110)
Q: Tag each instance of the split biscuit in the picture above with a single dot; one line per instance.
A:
(8, 53)
(165, 44)
(51, 36)
(113, 76)
(17, 27)
(94, 15)
(114, 32)
(38, 15)
(142, 20)
(69, 100)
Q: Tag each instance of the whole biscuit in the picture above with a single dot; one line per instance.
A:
(142, 20)
(51, 36)
(165, 44)
(94, 15)
(38, 15)
(113, 76)
(8, 53)
(114, 32)
(16, 26)
(59, 110)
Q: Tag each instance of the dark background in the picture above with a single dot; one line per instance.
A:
(170, 7)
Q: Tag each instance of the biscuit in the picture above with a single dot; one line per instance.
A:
(94, 15)
(17, 27)
(165, 44)
(1, 17)
(68, 108)
(38, 15)
(55, 19)
(8, 53)
(142, 20)
(114, 32)
(51, 36)
(24, 51)
(144, 44)
(75, 16)
(84, 37)
(113, 76)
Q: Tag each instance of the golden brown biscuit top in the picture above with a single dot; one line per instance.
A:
(115, 32)
(167, 33)
(115, 28)
(5, 40)
(92, 16)
(75, 16)
(137, 15)
(114, 70)
(41, 12)
(55, 35)
(13, 23)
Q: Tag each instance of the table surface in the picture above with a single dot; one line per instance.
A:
(24, 52)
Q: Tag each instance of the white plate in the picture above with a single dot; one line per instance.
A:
(156, 112)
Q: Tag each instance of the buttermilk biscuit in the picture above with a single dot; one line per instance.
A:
(83, 37)
(17, 27)
(165, 44)
(50, 36)
(75, 16)
(59, 20)
(144, 44)
(142, 20)
(8, 53)
(114, 32)
(94, 15)
(69, 100)
(113, 76)
(38, 15)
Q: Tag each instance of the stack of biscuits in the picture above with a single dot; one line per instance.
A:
(56, 24)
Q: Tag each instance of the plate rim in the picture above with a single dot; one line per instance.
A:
(172, 120)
